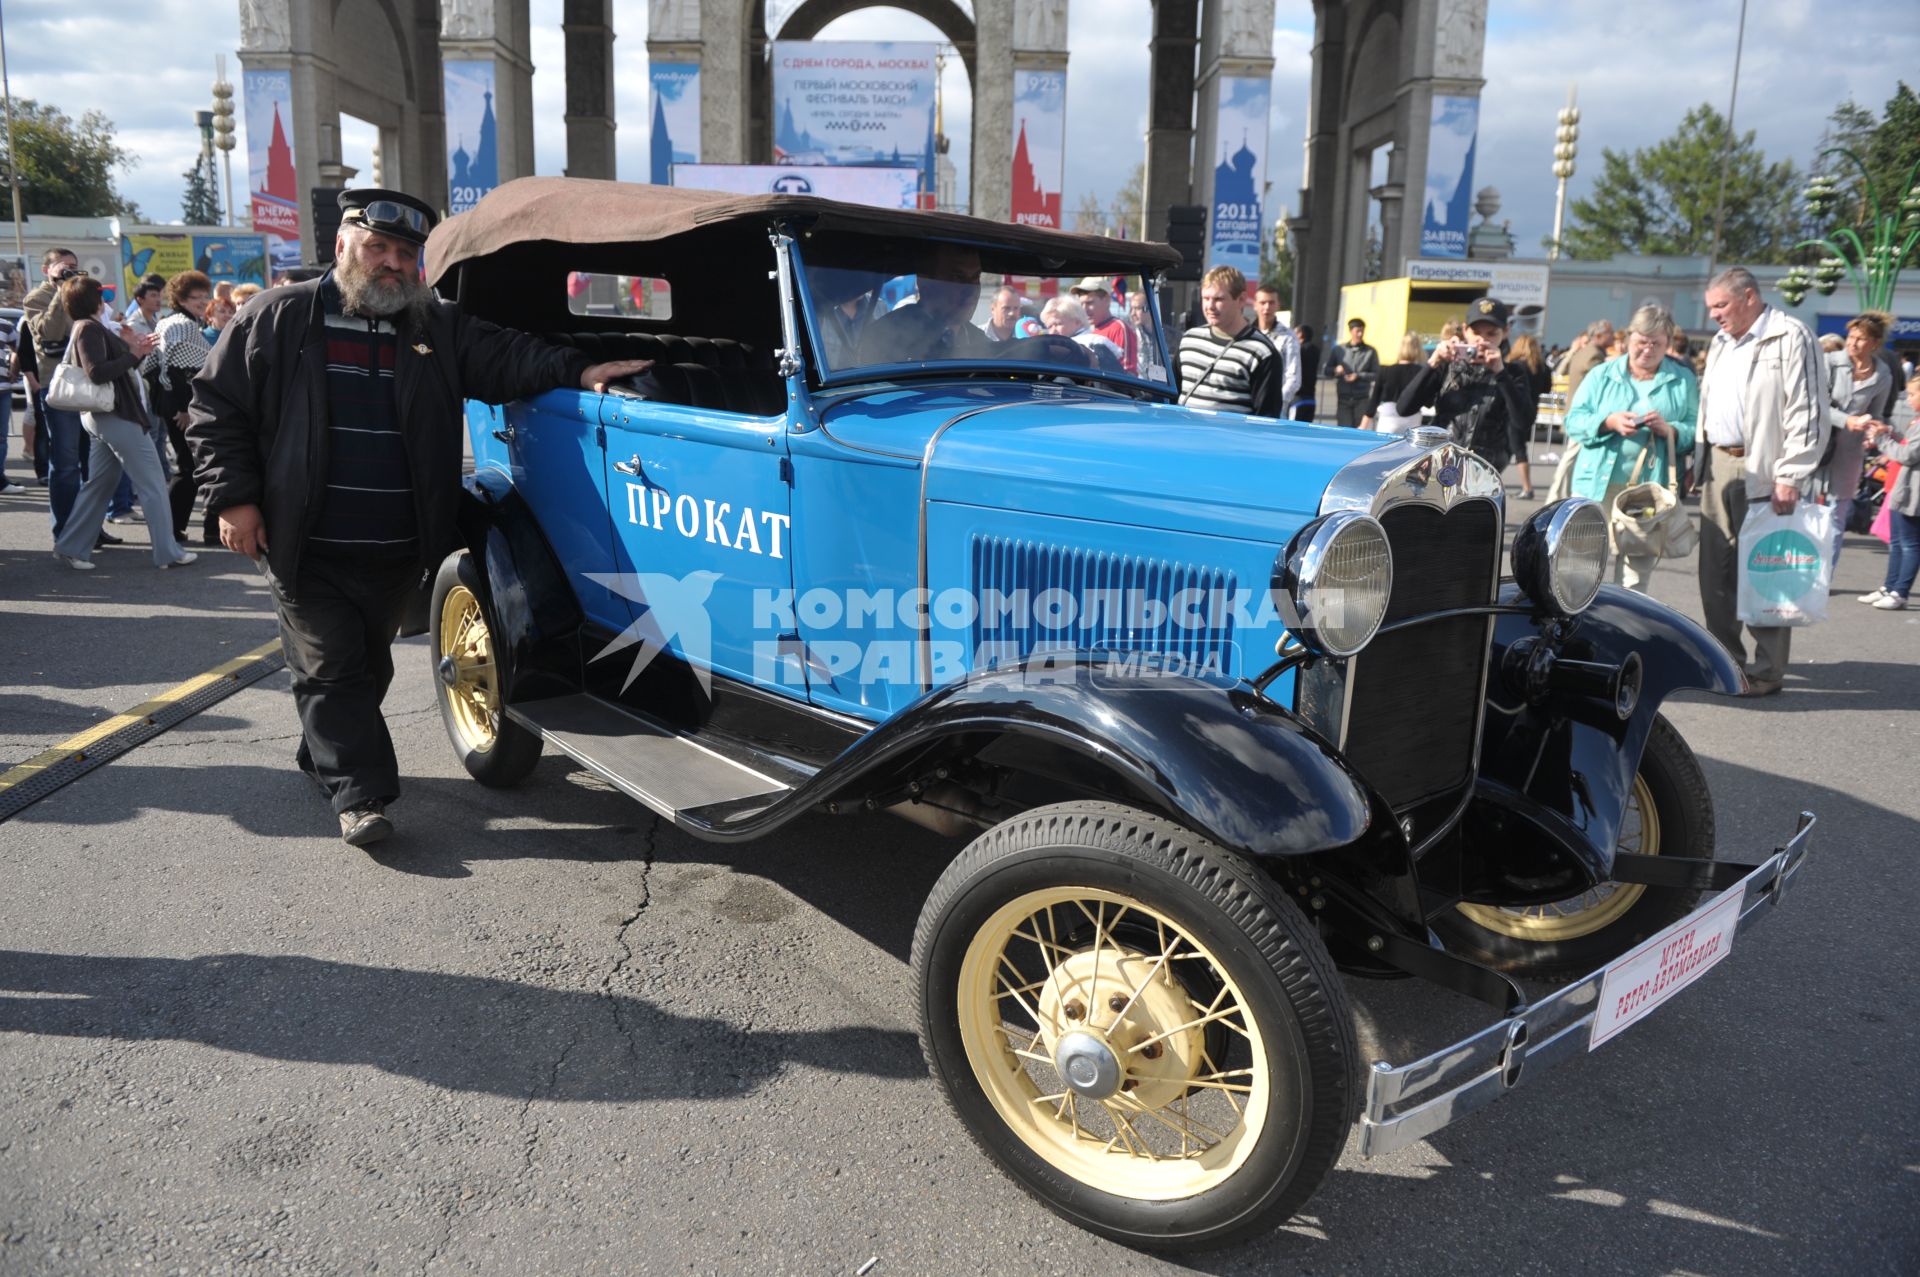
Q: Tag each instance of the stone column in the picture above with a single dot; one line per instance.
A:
(721, 51)
(1039, 45)
(1176, 26)
(1315, 231)
(1449, 41)
(588, 26)
(991, 193)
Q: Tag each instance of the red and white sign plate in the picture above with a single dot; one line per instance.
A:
(1641, 980)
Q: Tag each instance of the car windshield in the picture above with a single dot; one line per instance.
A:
(893, 304)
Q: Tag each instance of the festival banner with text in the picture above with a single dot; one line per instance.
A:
(880, 187)
(852, 102)
(675, 138)
(473, 143)
(271, 181)
(1241, 174)
(1447, 204)
(224, 259)
(1039, 145)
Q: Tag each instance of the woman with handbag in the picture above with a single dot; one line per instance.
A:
(99, 378)
(1634, 415)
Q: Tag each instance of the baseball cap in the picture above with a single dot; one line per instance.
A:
(1487, 310)
(1093, 284)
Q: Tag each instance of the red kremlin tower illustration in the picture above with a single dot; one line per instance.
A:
(1031, 205)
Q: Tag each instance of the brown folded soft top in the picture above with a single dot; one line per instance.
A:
(578, 210)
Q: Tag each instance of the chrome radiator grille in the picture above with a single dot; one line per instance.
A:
(1414, 716)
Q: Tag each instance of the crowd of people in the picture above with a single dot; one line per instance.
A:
(127, 462)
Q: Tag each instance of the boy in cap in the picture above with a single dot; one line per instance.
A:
(326, 429)
(1485, 402)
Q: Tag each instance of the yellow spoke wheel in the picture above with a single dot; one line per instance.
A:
(1095, 1052)
(1137, 1025)
(466, 670)
(1597, 907)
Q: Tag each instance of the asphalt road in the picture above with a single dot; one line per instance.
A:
(538, 1032)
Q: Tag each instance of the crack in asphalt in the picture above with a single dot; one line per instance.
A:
(620, 938)
(560, 1060)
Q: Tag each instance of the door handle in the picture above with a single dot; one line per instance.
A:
(630, 466)
(504, 435)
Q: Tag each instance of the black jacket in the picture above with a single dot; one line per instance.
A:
(1487, 413)
(258, 419)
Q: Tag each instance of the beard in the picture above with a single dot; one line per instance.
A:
(382, 294)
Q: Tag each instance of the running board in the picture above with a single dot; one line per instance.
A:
(668, 771)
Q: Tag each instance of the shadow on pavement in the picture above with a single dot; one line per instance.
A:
(464, 1033)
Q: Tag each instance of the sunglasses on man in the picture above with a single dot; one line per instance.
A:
(71, 272)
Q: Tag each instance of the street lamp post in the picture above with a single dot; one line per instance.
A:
(223, 131)
(1875, 262)
(1566, 145)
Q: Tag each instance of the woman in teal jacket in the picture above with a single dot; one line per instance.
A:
(1630, 404)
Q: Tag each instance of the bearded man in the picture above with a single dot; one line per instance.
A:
(330, 451)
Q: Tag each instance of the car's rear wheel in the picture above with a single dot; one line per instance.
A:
(1669, 812)
(1137, 1026)
(493, 748)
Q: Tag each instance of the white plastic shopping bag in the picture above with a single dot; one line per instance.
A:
(1786, 564)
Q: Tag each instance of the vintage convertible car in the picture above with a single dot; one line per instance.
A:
(1226, 705)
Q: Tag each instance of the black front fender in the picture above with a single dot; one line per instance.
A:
(1556, 769)
(1218, 757)
(531, 607)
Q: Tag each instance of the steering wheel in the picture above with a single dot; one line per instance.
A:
(1049, 348)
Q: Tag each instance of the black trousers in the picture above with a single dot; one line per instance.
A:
(337, 623)
(182, 487)
(1347, 412)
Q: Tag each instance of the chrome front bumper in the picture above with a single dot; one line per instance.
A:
(1409, 1102)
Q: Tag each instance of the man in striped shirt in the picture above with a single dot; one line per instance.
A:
(1228, 364)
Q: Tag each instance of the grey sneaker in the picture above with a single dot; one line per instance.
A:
(78, 565)
(364, 824)
(186, 557)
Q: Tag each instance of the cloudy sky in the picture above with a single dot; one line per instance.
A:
(1639, 65)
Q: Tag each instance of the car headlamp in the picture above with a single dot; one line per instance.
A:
(1560, 555)
(1337, 574)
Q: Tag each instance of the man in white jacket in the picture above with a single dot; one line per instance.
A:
(1763, 429)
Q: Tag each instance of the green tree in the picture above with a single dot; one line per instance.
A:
(1130, 202)
(198, 207)
(1888, 146)
(1089, 215)
(1660, 200)
(66, 168)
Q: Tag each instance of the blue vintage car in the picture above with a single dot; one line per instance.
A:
(1226, 705)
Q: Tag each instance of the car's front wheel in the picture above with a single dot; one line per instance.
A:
(1136, 1025)
(493, 748)
(1669, 812)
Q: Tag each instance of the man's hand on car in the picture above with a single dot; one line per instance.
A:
(597, 377)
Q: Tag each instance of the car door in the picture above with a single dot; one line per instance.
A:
(701, 502)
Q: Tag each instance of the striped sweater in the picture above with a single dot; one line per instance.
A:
(368, 511)
(1243, 374)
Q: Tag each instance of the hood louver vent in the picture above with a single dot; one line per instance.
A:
(1038, 597)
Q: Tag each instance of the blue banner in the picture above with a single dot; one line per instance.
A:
(1447, 207)
(675, 138)
(1240, 176)
(473, 147)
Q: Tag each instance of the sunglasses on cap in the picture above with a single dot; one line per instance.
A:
(389, 215)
